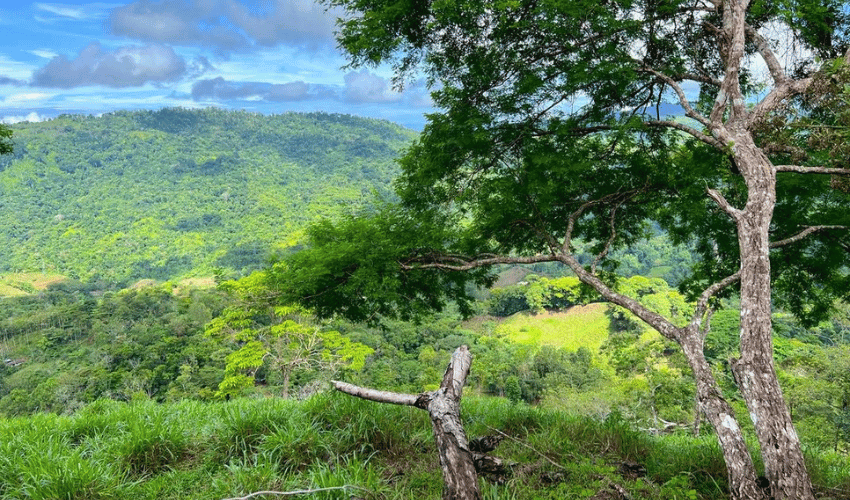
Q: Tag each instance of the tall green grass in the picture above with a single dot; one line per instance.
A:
(347, 448)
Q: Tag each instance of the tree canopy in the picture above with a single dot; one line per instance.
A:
(578, 121)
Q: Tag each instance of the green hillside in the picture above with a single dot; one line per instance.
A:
(177, 192)
(579, 326)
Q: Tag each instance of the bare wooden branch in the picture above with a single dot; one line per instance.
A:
(443, 405)
(708, 293)
(799, 169)
(723, 204)
(376, 395)
(297, 492)
(473, 263)
(802, 234)
(711, 141)
(456, 372)
(767, 54)
(680, 93)
(653, 319)
(776, 97)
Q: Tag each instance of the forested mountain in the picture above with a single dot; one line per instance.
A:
(177, 192)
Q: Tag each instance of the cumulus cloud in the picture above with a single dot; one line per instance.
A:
(182, 22)
(32, 117)
(361, 87)
(227, 25)
(221, 89)
(125, 67)
(364, 87)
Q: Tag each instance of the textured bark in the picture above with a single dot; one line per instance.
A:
(741, 473)
(785, 466)
(460, 480)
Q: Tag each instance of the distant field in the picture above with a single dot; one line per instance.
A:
(576, 327)
(17, 284)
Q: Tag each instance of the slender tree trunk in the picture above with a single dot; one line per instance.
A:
(783, 459)
(741, 473)
(287, 373)
(460, 479)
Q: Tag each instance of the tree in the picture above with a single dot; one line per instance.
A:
(284, 336)
(555, 127)
(5, 140)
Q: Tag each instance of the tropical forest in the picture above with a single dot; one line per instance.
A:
(614, 265)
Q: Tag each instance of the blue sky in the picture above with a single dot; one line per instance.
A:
(267, 56)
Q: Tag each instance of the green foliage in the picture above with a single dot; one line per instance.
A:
(6, 146)
(355, 268)
(539, 293)
(169, 193)
(285, 337)
(74, 348)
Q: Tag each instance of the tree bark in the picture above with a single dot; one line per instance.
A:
(460, 480)
(741, 473)
(781, 452)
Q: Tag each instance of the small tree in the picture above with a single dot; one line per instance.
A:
(285, 337)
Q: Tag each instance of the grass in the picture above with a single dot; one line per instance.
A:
(17, 284)
(348, 448)
(580, 326)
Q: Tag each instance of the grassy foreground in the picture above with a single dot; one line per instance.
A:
(192, 450)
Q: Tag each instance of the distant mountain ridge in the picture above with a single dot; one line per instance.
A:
(177, 192)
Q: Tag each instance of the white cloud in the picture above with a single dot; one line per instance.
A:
(124, 67)
(82, 12)
(32, 117)
(17, 70)
(364, 87)
(27, 97)
(69, 11)
(44, 53)
(226, 25)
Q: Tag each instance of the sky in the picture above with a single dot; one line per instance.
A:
(267, 56)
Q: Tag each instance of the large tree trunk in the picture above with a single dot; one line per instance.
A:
(743, 481)
(783, 459)
(460, 478)
(741, 472)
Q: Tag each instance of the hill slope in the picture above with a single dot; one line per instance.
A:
(178, 192)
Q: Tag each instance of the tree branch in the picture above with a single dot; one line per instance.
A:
(376, 395)
(708, 293)
(711, 141)
(776, 71)
(456, 372)
(775, 97)
(653, 319)
(683, 100)
(802, 234)
(724, 205)
(799, 169)
(461, 264)
(296, 492)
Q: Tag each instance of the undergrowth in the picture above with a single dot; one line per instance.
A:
(345, 448)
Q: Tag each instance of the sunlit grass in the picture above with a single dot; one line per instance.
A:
(580, 326)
